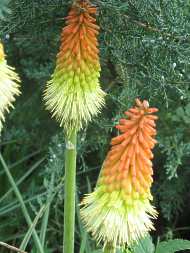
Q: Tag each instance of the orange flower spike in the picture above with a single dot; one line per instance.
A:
(119, 210)
(74, 95)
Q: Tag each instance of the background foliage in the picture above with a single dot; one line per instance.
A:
(145, 52)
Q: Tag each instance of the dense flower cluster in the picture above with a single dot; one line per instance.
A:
(119, 210)
(74, 94)
(9, 86)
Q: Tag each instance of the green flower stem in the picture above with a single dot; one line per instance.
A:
(70, 189)
(23, 206)
(109, 248)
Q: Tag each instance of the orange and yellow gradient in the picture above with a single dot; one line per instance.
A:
(119, 210)
(74, 94)
(9, 86)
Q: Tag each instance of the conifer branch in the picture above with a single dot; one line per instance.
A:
(146, 25)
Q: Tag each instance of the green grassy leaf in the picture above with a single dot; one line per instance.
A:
(28, 235)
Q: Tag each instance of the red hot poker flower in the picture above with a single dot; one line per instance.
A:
(119, 209)
(74, 95)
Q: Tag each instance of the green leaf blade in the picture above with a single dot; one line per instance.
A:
(173, 246)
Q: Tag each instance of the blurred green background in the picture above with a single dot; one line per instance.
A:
(145, 53)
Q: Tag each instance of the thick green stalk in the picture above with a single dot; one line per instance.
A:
(70, 189)
(22, 204)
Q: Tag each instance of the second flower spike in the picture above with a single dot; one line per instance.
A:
(74, 95)
(119, 211)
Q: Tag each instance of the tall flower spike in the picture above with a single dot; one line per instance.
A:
(119, 210)
(73, 94)
(9, 86)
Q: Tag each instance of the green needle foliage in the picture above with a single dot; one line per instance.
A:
(145, 52)
(4, 9)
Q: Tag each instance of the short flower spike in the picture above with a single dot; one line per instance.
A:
(9, 86)
(74, 95)
(119, 210)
